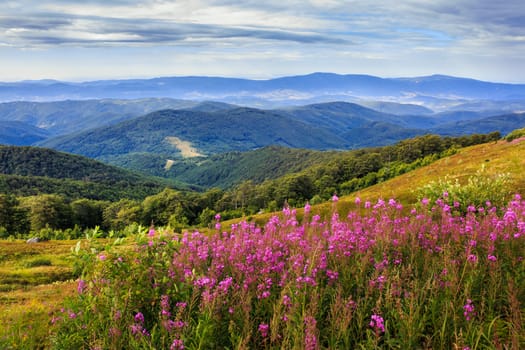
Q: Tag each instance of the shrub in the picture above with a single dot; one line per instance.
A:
(480, 190)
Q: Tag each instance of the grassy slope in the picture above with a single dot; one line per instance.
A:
(497, 158)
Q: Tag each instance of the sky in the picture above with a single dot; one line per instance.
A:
(119, 39)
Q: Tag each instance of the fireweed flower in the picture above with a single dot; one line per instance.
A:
(81, 286)
(335, 198)
(472, 258)
(469, 310)
(177, 344)
(263, 329)
(377, 323)
(307, 208)
(310, 336)
(139, 317)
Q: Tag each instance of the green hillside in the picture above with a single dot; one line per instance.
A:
(30, 170)
(494, 158)
(208, 132)
(227, 169)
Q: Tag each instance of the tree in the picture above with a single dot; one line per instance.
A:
(88, 213)
(13, 219)
(47, 210)
(120, 214)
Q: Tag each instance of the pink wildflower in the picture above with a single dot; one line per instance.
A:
(263, 329)
(469, 310)
(377, 323)
(81, 287)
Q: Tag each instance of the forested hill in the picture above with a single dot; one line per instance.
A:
(209, 133)
(31, 170)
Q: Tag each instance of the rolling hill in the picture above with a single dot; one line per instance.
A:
(31, 170)
(65, 117)
(19, 134)
(208, 132)
(503, 123)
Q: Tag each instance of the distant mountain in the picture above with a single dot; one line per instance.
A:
(341, 117)
(168, 132)
(502, 123)
(380, 134)
(64, 117)
(294, 90)
(18, 133)
(396, 108)
(171, 135)
(31, 170)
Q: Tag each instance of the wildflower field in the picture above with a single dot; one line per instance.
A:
(440, 275)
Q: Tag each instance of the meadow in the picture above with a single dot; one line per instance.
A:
(437, 277)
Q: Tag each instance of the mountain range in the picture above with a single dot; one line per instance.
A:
(437, 92)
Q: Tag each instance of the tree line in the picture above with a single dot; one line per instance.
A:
(42, 214)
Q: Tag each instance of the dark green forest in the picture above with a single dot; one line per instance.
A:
(48, 193)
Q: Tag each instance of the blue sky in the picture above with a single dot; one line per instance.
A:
(95, 39)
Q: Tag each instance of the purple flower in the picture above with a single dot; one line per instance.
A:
(177, 344)
(377, 323)
(263, 329)
(139, 317)
(81, 287)
(307, 208)
(469, 310)
(335, 198)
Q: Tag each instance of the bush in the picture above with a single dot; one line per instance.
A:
(516, 134)
(480, 190)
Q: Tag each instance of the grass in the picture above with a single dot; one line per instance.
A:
(34, 280)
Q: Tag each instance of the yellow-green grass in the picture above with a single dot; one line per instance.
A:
(497, 158)
(34, 280)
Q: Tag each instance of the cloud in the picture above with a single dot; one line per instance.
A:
(411, 35)
(69, 29)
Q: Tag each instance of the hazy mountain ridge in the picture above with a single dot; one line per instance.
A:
(64, 117)
(209, 132)
(19, 133)
(295, 90)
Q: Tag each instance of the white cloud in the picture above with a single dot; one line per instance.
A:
(273, 37)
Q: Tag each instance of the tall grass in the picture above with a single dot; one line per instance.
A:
(378, 278)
